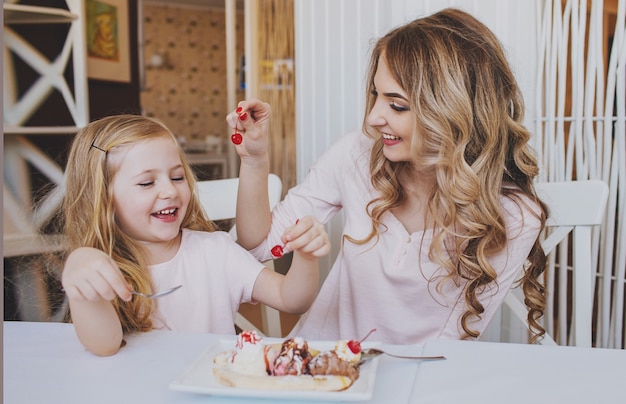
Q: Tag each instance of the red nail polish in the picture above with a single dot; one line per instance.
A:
(243, 116)
(238, 110)
(236, 138)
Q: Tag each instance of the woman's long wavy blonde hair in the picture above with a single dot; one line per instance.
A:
(469, 111)
(88, 210)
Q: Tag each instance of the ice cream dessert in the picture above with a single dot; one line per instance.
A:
(247, 358)
(292, 359)
(339, 361)
(290, 365)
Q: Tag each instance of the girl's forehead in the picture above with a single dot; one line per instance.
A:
(156, 144)
(161, 151)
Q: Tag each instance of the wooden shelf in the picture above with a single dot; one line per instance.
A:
(23, 14)
(40, 130)
(18, 245)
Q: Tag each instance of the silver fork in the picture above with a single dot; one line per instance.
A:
(157, 294)
(371, 353)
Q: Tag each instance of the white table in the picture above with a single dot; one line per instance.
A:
(44, 363)
(500, 373)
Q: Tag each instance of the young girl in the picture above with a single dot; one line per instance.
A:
(440, 212)
(133, 222)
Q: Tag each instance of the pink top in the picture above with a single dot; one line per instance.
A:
(217, 275)
(385, 284)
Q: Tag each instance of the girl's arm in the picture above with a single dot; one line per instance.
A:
(91, 280)
(295, 292)
(97, 326)
(253, 218)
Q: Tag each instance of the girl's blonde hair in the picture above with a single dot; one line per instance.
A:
(469, 111)
(88, 210)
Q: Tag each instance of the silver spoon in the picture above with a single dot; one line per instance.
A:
(371, 353)
(157, 294)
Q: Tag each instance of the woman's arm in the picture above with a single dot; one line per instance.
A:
(91, 280)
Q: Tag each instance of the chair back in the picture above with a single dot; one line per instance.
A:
(575, 208)
(219, 200)
(219, 197)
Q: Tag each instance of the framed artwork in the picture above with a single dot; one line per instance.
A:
(108, 47)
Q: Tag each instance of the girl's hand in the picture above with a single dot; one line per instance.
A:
(91, 275)
(308, 237)
(251, 121)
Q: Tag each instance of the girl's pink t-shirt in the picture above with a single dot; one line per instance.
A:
(217, 276)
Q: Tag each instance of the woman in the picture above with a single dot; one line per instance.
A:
(437, 192)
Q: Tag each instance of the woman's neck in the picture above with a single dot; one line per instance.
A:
(413, 211)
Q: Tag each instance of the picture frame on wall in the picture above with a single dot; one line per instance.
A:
(108, 47)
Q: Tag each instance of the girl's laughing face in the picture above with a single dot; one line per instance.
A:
(150, 191)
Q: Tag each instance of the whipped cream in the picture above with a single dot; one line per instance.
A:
(345, 353)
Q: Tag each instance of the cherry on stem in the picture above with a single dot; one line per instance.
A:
(236, 138)
(355, 346)
(278, 250)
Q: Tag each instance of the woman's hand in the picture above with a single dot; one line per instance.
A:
(251, 120)
(307, 237)
(295, 291)
(91, 275)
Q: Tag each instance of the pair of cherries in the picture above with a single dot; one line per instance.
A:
(236, 137)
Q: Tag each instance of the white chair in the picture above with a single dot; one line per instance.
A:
(219, 199)
(574, 207)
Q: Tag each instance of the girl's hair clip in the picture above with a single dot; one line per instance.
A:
(93, 144)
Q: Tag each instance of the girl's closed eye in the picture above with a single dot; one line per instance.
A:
(145, 184)
(180, 178)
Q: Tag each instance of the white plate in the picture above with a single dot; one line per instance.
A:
(198, 378)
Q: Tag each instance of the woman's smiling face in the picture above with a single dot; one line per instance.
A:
(391, 115)
(150, 191)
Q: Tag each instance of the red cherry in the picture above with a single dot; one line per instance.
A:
(236, 138)
(355, 346)
(277, 251)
